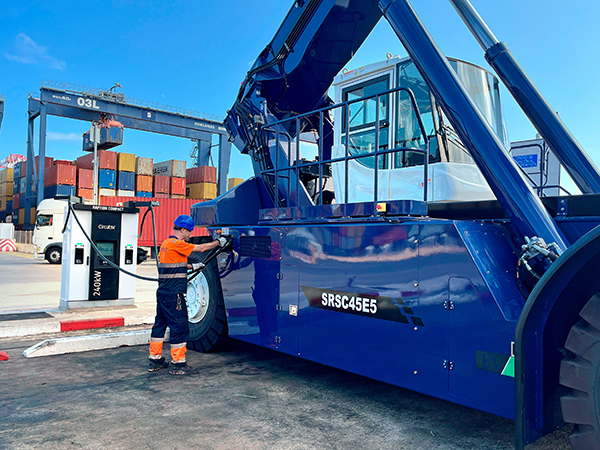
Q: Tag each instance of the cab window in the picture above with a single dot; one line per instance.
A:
(44, 220)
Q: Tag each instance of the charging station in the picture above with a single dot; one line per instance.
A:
(87, 280)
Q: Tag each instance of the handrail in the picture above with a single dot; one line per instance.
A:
(278, 129)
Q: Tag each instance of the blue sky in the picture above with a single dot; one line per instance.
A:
(194, 55)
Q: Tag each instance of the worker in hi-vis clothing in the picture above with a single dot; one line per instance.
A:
(171, 308)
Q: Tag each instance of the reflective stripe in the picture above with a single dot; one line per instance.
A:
(183, 344)
(167, 276)
(172, 265)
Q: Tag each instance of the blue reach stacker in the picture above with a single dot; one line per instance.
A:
(389, 233)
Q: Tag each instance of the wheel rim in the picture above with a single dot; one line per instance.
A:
(198, 298)
(54, 256)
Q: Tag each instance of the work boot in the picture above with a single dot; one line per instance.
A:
(157, 364)
(182, 369)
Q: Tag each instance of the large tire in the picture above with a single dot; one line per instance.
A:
(206, 311)
(54, 255)
(580, 373)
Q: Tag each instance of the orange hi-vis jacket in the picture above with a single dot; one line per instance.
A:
(172, 265)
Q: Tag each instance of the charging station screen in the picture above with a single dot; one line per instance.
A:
(107, 249)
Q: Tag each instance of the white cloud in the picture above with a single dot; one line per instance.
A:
(54, 136)
(27, 51)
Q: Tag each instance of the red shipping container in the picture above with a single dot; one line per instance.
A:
(59, 174)
(88, 194)
(177, 186)
(63, 162)
(108, 160)
(85, 178)
(162, 195)
(202, 174)
(164, 214)
(143, 183)
(49, 160)
(16, 199)
(162, 184)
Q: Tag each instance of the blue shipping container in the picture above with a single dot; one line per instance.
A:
(52, 191)
(9, 205)
(17, 172)
(109, 138)
(143, 194)
(126, 181)
(107, 179)
(17, 186)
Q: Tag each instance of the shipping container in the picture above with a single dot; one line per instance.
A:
(54, 190)
(7, 175)
(3, 202)
(144, 166)
(170, 168)
(16, 199)
(143, 194)
(85, 193)
(162, 196)
(21, 216)
(109, 138)
(63, 162)
(108, 160)
(107, 192)
(17, 186)
(126, 162)
(177, 186)
(17, 171)
(22, 189)
(202, 174)
(9, 204)
(206, 191)
(164, 214)
(23, 165)
(233, 182)
(178, 196)
(162, 184)
(85, 178)
(126, 181)
(125, 193)
(32, 214)
(6, 188)
(59, 174)
(107, 179)
(143, 183)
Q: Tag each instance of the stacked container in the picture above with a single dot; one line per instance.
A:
(126, 175)
(175, 170)
(6, 189)
(201, 182)
(85, 184)
(143, 177)
(162, 185)
(233, 182)
(59, 179)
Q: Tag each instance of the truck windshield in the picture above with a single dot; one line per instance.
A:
(44, 220)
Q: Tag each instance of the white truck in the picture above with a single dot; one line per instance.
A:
(47, 235)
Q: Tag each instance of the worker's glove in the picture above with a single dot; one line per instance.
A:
(197, 266)
(222, 241)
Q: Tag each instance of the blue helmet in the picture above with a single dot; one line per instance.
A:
(184, 221)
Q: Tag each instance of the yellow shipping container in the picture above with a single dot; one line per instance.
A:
(126, 162)
(204, 191)
(233, 182)
(32, 215)
(22, 216)
(6, 175)
(3, 200)
(6, 188)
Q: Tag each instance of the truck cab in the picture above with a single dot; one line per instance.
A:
(47, 235)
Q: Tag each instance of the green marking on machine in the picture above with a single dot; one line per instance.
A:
(509, 369)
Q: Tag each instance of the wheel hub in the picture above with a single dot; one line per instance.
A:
(198, 298)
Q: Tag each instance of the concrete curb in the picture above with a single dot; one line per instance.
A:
(60, 346)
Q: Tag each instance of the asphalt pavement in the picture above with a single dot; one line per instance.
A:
(244, 397)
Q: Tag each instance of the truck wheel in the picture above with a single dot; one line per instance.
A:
(580, 372)
(54, 255)
(206, 311)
